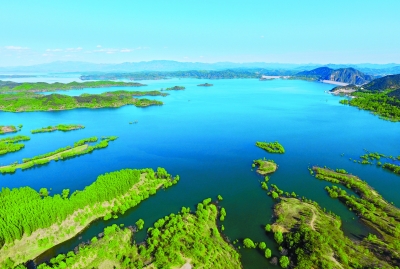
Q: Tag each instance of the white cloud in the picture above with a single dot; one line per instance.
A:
(74, 49)
(126, 50)
(98, 46)
(15, 48)
(54, 50)
(262, 36)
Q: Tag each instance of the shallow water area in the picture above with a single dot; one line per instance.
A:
(207, 135)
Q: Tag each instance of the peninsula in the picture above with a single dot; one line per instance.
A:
(10, 144)
(175, 88)
(9, 86)
(179, 240)
(47, 222)
(81, 147)
(21, 102)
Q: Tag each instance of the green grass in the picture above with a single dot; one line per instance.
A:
(265, 167)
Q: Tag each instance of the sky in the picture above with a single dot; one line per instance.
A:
(285, 31)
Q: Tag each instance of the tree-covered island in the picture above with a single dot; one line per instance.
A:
(205, 85)
(271, 147)
(265, 167)
(175, 88)
(10, 144)
(21, 102)
(13, 87)
(80, 148)
(59, 127)
(32, 222)
(4, 129)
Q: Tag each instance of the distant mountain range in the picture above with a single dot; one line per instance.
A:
(387, 82)
(165, 65)
(345, 75)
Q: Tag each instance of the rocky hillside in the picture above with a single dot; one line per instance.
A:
(345, 75)
(387, 82)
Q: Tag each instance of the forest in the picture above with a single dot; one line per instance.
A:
(174, 240)
(26, 87)
(32, 222)
(20, 102)
(379, 103)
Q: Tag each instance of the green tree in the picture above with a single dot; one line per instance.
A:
(268, 253)
(248, 243)
(284, 262)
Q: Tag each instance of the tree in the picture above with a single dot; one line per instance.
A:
(274, 195)
(140, 224)
(268, 227)
(278, 237)
(284, 261)
(65, 193)
(262, 245)
(248, 243)
(44, 192)
(268, 253)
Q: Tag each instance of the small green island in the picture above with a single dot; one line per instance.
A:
(175, 88)
(10, 144)
(9, 86)
(205, 85)
(265, 166)
(4, 129)
(182, 240)
(60, 127)
(271, 147)
(21, 102)
(45, 221)
(80, 148)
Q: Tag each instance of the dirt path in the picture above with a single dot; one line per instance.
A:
(314, 217)
(332, 258)
(186, 266)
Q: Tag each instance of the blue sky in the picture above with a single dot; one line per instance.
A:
(286, 31)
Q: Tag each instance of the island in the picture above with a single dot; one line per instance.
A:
(80, 148)
(10, 144)
(39, 224)
(21, 102)
(182, 240)
(8, 129)
(271, 147)
(265, 167)
(205, 85)
(175, 88)
(9, 86)
(60, 127)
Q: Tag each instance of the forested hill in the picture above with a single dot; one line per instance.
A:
(384, 83)
(9, 86)
(200, 74)
(345, 75)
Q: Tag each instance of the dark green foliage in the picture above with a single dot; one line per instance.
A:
(379, 103)
(49, 87)
(386, 82)
(175, 88)
(18, 102)
(271, 147)
(392, 167)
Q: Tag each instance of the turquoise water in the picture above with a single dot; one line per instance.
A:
(207, 136)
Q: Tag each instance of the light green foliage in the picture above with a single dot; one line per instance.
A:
(278, 237)
(284, 262)
(7, 129)
(268, 253)
(172, 241)
(10, 144)
(220, 198)
(44, 192)
(175, 88)
(268, 227)
(17, 102)
(140, 224)
(24, 210)
(248, 243)
(262, 245)
(60, 127)
(271, 147)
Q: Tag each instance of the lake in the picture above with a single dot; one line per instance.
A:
(207, 135)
